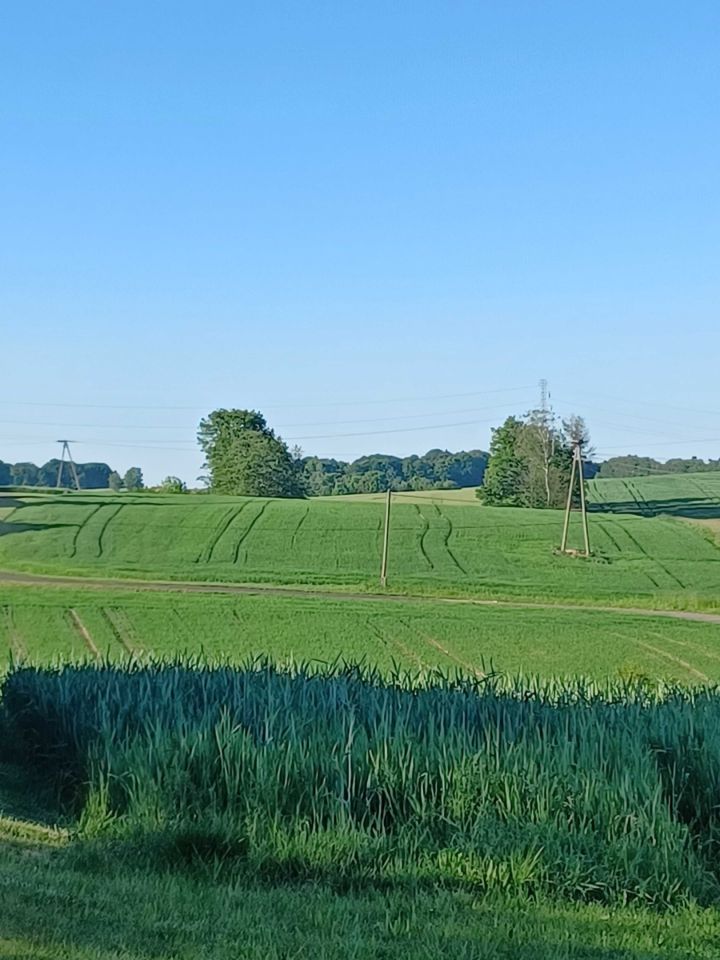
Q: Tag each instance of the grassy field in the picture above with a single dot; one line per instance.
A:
(48, 625)
(58, 905)
(348, 887)
(692, 495)
(440, 544)
(395, 827)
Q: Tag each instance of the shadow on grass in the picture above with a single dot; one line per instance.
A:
(696, 508)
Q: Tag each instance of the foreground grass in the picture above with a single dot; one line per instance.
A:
(342, 775)
(52, 908)
(60, 902)
(437, 546)
(47, 624)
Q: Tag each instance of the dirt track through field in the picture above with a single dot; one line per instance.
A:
(310, 593)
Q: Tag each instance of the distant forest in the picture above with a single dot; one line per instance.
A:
(92, 476)
(437, 469)
(631, 466)
(322, 477)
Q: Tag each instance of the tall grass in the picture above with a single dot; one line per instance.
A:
(592, 793)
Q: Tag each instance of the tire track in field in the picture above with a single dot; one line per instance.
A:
(634, 542)
(654, 560)
(82, 631)
(225, 528)
(426, 528)
(693, 647)
(81, 527)
(248, 530)
(221, 526)
(300, 522)
(17, 644)
(603, 526)
(120, 629)
(706, 494)
(638, 496)
(104, 527)
(398, 644)
(632, 495)
(436, 645)
(446, 540)
(663, 654)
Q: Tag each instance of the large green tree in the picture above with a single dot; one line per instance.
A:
(531, 460)
(503, 481)
(245, 458)
(133, 479)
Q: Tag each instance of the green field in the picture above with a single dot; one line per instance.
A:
(55, 905)
(436, 545)
(54, 624)
(425, 891)
(370, 819)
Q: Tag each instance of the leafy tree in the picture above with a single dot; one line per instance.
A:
(24, 474)
(503, 483)
(245, 457)
(114, 480)
(254, 464)
(629, 466)
(173, 485)
(48, 474)
(531, 460)
(133, 479)
(5, 474)
(94, 476)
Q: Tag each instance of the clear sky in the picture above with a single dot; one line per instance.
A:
(380, 223)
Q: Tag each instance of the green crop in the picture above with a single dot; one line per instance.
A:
(436, 546)
(594, 793)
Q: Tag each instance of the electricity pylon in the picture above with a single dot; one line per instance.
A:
(71, 462)
(577, 467)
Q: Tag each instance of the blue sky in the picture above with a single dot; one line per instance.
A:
(379, 223)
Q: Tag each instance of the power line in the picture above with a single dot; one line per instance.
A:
(291, 426)
(651, 403)
(269, 406)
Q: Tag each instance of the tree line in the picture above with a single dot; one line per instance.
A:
(632, 466)
(91, 476)
(243, 456)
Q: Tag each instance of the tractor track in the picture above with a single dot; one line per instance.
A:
(248, 531)
(426, 528)
(17, 644)
(73, 618)
(446, 541)
(81, 527)
(300, 522)
(205, 555)
(13, 578)
(104, 527)
(654, 560)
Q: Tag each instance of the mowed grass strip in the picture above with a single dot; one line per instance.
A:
(419, 635)
(435, 547)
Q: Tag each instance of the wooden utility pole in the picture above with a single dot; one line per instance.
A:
(386, 540)
(71, 462)
(577, 467)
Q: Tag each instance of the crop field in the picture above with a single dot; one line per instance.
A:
(52, 625)
(436, 546)
(384, 775)
(487, 818)
(692, 495)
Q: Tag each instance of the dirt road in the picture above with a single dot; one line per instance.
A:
(184, 586)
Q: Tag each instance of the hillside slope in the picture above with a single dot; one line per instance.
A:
(435, 547)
